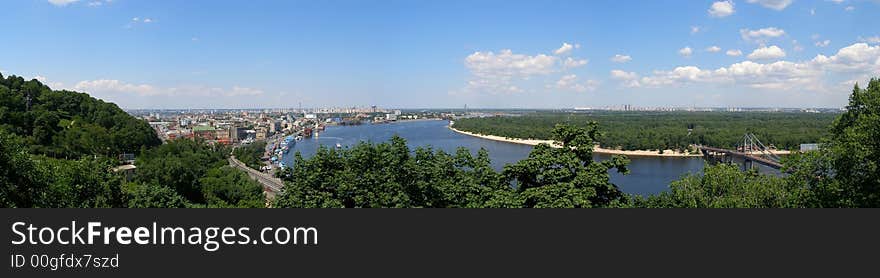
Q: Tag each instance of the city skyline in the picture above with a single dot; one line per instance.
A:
(486, 54)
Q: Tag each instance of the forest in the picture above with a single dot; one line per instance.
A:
(193, 173)
(665, 130)
(59, 148)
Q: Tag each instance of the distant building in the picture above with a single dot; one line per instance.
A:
(809, 147)
(390, 117)
(238, 134)
(205, 132)
(274, 127)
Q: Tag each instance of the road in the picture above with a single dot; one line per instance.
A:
(271, 185)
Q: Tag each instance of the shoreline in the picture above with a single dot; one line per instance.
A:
(596, 149)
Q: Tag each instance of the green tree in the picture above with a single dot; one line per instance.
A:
(726, 186)
(140, 195)
(228, 187)
(567, 176)
(22, 183)
(847, 172)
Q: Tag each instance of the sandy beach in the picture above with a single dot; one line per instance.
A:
(596, 149)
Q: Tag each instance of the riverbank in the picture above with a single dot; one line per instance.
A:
(596, 149)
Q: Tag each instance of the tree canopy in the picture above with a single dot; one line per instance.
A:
(66, 124)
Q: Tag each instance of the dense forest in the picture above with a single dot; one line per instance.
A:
(59, 148)
(665, 130)
(193, 173)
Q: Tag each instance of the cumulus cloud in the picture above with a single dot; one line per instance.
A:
(823, 43)
(767, 53)
(713, 49)
(116, 86)
(696, 29)
(618, 58)
(570, 82)
(495, 72)
(761, 35)
(686, 52)
(734, 52)
(61, 3)
(772, 4)
(628, 79)
(874, 39)
(569, 63)
(857, 60)
(721, 9)
(849, 8)
(566, 48)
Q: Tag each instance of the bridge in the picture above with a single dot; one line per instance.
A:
(271, 185)
(751, 149)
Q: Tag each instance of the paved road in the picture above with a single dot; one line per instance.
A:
(271, 185)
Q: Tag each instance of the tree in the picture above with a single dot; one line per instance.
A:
(227, 187)
(140, 195)
(726, 186)
(180, 164)
(567, 176)
(21, 181)
(847, 171)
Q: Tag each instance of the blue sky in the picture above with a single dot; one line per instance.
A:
(419, 54)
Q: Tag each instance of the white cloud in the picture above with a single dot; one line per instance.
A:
(148, 20)
(628, 79)
(570, 83)
(812, 11)
(734, 52)
(569, 63)
(823, 43)
(115, 88)
(874, 39)
(713, 49)
(686, 52)
(772, 4)
(618, 58)
(98, 3)
(566, 48)
(696, 29)
(495, 73)
(61, 3)
(767, 53)
(849, 8)
(721, 9)
(838, 1)
(761, 35)
(857, 60)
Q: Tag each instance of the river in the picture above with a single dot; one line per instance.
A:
(648, 175)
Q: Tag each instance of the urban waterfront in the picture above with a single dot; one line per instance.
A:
(648, 175)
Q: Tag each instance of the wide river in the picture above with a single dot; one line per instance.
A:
(648, 175)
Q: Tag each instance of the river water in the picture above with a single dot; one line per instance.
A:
(648, 175)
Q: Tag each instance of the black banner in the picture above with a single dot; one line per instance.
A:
(432, 242)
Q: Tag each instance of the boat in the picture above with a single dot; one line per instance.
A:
(338, 146)
(288, 143)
